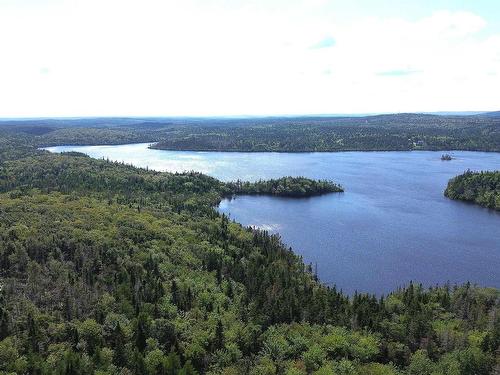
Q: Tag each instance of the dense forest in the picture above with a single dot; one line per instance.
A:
(286, 187)
(110, 269)
(482, 188)
(281, 134)
(372, 133)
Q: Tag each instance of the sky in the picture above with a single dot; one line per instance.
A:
(69, 58)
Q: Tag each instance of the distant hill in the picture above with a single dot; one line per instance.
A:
(156, 122)
(495, 114)
(383, 132)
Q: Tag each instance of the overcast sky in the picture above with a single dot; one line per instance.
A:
(216, 57)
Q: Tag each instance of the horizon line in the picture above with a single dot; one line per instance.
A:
(362, 114)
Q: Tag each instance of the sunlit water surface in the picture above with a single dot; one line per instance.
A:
(392, 224)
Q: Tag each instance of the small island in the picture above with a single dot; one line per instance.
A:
(285, 187)
(482, 188)
(446, 157)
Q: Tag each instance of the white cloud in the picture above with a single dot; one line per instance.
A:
(152, 57)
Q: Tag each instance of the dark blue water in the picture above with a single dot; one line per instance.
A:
(392, 224)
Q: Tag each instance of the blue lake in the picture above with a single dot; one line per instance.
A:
(392, 224)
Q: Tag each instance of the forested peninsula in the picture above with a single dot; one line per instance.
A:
(110, 269)
(482, 188)
(286, 187)
(395, 132)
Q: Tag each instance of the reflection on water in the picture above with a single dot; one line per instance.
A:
(392, 224)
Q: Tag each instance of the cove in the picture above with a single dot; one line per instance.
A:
(392, 224)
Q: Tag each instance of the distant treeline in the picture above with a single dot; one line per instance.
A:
(280, 134)
(374, 133)
(286, 187)
(482, 188)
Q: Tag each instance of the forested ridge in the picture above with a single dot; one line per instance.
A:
(398, 132)
(110, 269)
(281, 134)
(482, 188)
